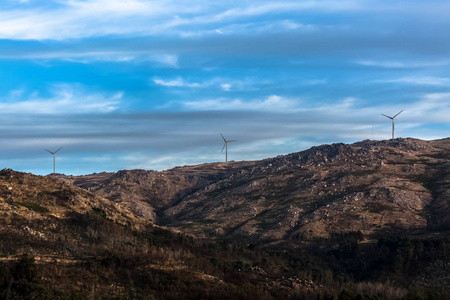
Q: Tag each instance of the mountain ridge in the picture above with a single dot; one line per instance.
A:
(297, 194)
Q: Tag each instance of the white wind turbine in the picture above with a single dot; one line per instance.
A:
(54, 156)
(225, 146)
(392, 118)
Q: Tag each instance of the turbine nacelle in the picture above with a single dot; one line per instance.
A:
(53, 152)
(392, 118)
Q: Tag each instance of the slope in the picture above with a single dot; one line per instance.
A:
(372, 186)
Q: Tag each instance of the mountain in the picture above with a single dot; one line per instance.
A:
(368, 220)
(372, 186)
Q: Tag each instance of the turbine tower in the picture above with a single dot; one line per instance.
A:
(225, 146)
(392, 118)
(54, 155)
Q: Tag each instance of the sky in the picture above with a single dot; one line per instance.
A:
(127, 84)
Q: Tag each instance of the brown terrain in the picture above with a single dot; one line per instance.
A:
(37, 210)
(366, 219)
(371, 186)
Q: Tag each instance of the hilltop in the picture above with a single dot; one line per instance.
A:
(372, 186)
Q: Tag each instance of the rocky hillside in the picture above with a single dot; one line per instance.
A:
(368, 220)
(371, 186)
(37, 210)
(147, 192)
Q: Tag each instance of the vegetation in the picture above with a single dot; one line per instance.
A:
(117, 262)
(33, 206)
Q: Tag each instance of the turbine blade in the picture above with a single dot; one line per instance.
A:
(232, 141)
(49, 151)
(224, 146)
(223, 138)
(387, 116)
(59, 149)
(398, 114)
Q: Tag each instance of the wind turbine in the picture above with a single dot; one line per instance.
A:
(54, 155)
(392, 118)
(225, 146)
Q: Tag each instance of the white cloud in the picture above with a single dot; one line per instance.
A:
(66, 99)
(271, 103)
(434, 107)
(162, 162)
(420, 80)
(179, 82)
(85, 57)
(260, 27)
(226, 87)
(87, 18)
(112, 6)
(214, 82)
(225, 84)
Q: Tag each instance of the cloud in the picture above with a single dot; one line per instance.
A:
(420, 80)
(226, 87)
(401, 64)
(80, 19)
(432, 108)
(65, 99)
(86, 56)
(277, 76)
(179, 82)
(255, 28)
(271, 103)
(75, 19)
(264, 128)
(166, 59)
(163, 31)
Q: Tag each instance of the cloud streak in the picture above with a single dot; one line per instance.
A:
(151, 83)
(166, 139)
(65, 99)
(419, 80)
(93, 18)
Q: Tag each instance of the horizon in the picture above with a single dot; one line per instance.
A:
(223, 162)
(138, 84)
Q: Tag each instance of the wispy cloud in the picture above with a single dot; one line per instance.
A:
(158, 79)
(88, 56)
(432, 108)
(178, 82)
(65, 99)
(419, 80)
(401, 64)
(163, 140)
(224, 84)
(80, 19)
(271, 103)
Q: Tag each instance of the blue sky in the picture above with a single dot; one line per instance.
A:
(125, 84)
